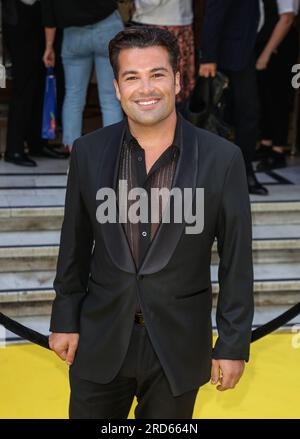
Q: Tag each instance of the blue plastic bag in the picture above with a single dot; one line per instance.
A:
(49, 108)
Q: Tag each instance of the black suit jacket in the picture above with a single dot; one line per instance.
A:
(96, 281)
(229, 33)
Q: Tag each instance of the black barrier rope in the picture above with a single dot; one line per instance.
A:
(24, 332)
(270, 326)
(43, 340)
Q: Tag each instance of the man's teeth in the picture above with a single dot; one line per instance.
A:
(148, 103)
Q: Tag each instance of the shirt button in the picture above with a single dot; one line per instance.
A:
(144, 233)
(140, 158)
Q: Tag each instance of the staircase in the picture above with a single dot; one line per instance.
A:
(31, 213)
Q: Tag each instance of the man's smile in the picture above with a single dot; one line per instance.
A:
(147, 103)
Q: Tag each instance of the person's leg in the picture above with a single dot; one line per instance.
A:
(78, 62)
(60, 77)
(34, 139)
(155, 400)
(103, 32)
(245, 110)
(22, 51)
(285, 58)
(276, 115)
(89, 400)
(279, 73)
(244, 98)
(265, 91)
(154, 396)
(110, 400)
(22, 40)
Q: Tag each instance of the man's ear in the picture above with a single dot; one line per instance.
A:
(177, 83)
(116, 85)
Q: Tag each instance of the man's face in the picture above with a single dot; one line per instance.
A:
(146, 84)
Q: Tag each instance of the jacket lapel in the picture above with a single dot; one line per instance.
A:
(114, 235)
(168, 234)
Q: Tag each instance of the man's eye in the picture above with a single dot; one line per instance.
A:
(158, 75)
(130, 78)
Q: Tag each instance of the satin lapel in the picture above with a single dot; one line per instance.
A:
(114, 234)
(168, 235)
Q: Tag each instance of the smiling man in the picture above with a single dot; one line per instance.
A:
(132, 313)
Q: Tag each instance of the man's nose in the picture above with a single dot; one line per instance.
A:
(146, 86)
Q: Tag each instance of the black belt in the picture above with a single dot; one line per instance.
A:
(138, 318)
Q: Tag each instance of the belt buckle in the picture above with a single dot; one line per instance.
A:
(138, 318)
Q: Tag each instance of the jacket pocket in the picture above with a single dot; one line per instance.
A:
(195, 293)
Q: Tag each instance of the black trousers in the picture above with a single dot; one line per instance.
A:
(242, 108)
(142, 375)
(25, 42)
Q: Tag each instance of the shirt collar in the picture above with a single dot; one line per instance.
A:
(130, 139)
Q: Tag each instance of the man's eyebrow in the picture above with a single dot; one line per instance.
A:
(158, 68)
(134, 72)
(129, 72)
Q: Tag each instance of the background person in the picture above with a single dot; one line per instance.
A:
(177, 17)
(277, 50)
(23, 34)
(228, 44)
(87, 28)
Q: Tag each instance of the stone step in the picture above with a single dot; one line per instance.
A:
(32, 181)
(31, 293)
(272, 244)
(44, 211)
(38, 250)
(38, 215)
(46, 166)
(283, 184)
(29, 250)
(31, 218)
(276, 213)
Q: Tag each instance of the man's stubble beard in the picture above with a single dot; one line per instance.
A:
(150, 119)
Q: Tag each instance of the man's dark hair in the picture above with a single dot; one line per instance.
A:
(142, 37)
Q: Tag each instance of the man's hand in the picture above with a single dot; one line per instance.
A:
(262, 61)
(227, 372)
(209, 69)
(49, 57)
(64, 345)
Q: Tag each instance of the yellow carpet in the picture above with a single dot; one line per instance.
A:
(34, 384)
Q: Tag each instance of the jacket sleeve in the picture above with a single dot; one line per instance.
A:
(213, 21)
(235, 306)
(73, 264)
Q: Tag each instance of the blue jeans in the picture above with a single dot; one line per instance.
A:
(81, 48)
